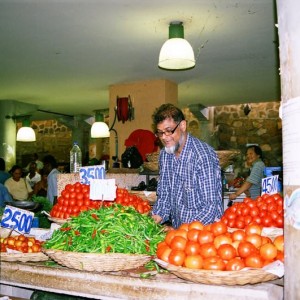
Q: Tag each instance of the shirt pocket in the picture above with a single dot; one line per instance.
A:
(189, 192)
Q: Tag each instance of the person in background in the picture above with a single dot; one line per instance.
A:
(40, 188)
(252, 184)
(39, 164)
(4, 195)
(33, 176)
(189, 185)
(17, 186)
(50, 169)
(3, 174)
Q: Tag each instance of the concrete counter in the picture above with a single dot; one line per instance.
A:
(119, 285)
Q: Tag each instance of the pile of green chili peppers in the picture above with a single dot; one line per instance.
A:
(114, 229)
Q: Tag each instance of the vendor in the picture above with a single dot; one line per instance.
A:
(252, 184)
(189, 186)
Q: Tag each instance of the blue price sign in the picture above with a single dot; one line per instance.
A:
(269, 185)
(91, 172)
(17, 219)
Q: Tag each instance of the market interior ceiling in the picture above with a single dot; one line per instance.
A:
(63, 55)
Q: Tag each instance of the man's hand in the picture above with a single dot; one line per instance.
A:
(156, 218)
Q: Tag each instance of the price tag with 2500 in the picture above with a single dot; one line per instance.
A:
(17, 219)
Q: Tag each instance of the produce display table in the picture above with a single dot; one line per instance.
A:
(125, 284)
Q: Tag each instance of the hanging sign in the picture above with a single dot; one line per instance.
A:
(269, 185)
(91, 172)
(17, 219)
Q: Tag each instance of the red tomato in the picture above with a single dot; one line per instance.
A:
(177, 257)
(268, 251)
(195, 225)
(193, 262)
(254, 211)
(205, 236)
(79, 196)
(254, 260)
(235, 264)
(65, 193)
(178, 243)
(245, 249)
(193, 234)
(208, 250)
(163, 253)
(184, 226)
(267, 221)
(238, 235)
(218, 228)
(181, 232)
(192, 248)
(227, 251)
(253, 228)
(170, 235)
(254, 239)
(222, 239)
(279, 242)
(214, 263)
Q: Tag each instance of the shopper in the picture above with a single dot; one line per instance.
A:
(189, 186)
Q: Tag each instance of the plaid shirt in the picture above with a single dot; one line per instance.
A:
(190, 186)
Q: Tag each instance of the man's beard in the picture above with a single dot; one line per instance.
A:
(175, 148)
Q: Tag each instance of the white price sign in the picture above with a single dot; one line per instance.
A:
(17, 219)
(91, 172)
(269, 185)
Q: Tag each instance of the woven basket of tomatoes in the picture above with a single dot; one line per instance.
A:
(22, 248)
(214, 254)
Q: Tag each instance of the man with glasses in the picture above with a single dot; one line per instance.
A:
(189, 186)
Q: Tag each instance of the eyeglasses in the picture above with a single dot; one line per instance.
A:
(167, 132)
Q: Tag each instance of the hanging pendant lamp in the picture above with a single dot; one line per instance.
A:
(99, 128)
(176, 53)
(26, 133)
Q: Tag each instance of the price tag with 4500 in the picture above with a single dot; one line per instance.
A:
(17, 219)
(269, 185)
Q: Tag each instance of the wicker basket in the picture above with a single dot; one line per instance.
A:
(152, 166)
(23, 257)
(96, 262)
(152, 157)
(58, 220)
(250, 276)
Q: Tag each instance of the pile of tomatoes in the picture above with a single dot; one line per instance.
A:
(213, 247)
(75, 198)
(266, 210)
(21, 243)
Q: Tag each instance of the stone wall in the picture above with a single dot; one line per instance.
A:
(52, 137)
(230, 128)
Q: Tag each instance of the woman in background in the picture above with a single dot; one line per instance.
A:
(252, 184)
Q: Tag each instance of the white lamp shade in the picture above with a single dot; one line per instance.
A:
(26, 134)
(100, 130)
(176, 54)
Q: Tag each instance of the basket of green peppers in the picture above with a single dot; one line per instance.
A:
(108, 239)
